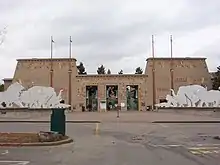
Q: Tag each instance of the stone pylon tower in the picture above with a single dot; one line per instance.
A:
(186, 71)
(37, 72)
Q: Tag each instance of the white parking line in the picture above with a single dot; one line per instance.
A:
(4, 152)
(196, 147)
(203, 148)
(14, 162)
(163, 125)
(165, 145)
(204, 145)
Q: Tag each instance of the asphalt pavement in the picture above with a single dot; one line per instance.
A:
(119, 143)
(128, 117)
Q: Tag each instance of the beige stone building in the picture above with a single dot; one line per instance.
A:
(133, 91)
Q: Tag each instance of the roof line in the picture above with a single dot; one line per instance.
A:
(176, 58)
(111, 75)
(46, 59)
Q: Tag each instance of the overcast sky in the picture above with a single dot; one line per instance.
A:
(115, 33)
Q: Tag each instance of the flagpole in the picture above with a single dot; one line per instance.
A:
(153, 75)
(70, 72)
(51, 61)
(171, 63)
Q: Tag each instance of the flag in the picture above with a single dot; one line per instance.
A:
(52, 41)
(70, 48)
(171, 38)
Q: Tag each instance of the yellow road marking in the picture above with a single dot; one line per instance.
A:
(204, 150)
(97, 129)
(196, 152)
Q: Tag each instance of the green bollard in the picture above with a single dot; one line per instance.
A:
(58, 121)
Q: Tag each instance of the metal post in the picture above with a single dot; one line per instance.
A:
(51, 61)
(70, 72)
(171, 64)
(153, 75)
(118, 113)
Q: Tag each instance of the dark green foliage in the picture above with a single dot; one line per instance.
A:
(138, 70)
(216, 79)
(1, 87)
(109, 71)
(121, 72)
(101, 70)
(81, 68)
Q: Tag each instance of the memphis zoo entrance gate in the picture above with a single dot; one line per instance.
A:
(112, 97)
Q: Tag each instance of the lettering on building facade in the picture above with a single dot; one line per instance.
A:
(181, 79)
(163, 89)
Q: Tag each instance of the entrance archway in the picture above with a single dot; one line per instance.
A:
(91, 98)
(132, 97)
(111, 97)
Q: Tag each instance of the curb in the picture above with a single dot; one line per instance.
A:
(200, 121)
(96, 121)
(41, 121)
(65, 141)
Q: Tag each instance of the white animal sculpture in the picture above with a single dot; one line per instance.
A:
(208, 98)
(171, 101)
(34, 97)
(11, 95)
(186, 95)
(192, 96)
(37, 96)
(54, 100)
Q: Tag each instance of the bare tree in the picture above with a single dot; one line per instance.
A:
(2, 35)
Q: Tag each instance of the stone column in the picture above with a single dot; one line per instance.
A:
(101, 94)
(122, 96)
(80, 97)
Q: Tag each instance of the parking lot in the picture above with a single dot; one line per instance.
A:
(120, 143)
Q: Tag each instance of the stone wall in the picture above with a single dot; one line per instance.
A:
(185, 71)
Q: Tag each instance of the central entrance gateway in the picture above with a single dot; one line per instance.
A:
(91, 98)
(111, 97)
(132, 97)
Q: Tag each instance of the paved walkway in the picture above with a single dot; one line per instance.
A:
(138, 117)
(112, 116)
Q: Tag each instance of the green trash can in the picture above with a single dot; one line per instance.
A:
(58, 121)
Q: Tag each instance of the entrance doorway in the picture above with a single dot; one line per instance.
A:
(91, 98)
(132, 97)
(111, 97)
